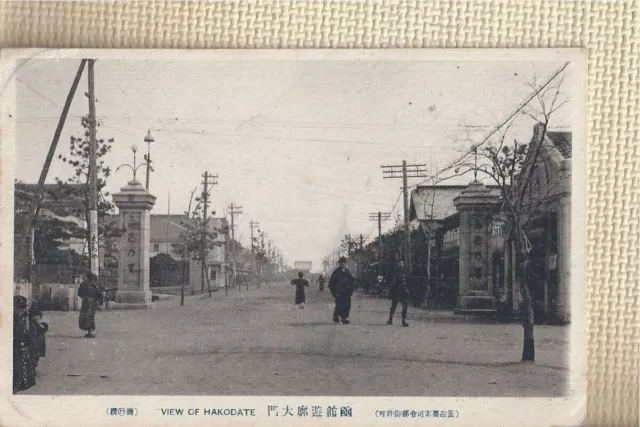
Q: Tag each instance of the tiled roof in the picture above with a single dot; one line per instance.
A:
(435, 202)
(562, 141)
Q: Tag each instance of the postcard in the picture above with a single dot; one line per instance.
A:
(324, 237)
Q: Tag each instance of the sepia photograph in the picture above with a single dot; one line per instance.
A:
(285, 224)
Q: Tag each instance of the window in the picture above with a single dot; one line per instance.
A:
(451, 239)
(156, 248)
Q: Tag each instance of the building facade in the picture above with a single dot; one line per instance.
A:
(546, 221)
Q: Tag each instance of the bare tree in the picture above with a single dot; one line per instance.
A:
(511, 165)
(185, 251)
(199, 235)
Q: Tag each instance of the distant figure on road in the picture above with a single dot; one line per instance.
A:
(91, 296)
(300, 284)
(341, 286)
(321, 282)
(399, 293)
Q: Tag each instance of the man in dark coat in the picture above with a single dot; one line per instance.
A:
(300, 284)
(399, 293)
(341, 286)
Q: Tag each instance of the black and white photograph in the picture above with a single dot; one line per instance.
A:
(306, 226)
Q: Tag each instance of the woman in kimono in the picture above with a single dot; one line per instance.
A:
(91, 296)
(24, 374)
(37, 329)
(300, 284)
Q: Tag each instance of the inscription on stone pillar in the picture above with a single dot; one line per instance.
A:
(132, 224)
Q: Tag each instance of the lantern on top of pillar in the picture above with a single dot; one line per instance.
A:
(134, 204)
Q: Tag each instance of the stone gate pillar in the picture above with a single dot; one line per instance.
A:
(134, 203)
(476, 206)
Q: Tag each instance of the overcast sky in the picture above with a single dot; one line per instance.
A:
(297, 144)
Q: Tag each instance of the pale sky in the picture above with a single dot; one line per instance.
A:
(297, 144)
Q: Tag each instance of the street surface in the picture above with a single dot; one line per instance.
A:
(258, 343)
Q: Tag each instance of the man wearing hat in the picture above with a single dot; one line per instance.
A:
(399, 293)
(341, 286)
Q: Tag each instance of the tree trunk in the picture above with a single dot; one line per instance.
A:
(528, 323)
(182, 285)
(528, 315)
(205, 275)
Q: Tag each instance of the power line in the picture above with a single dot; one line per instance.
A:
(476, 146)
(233, 211)
(405, 171)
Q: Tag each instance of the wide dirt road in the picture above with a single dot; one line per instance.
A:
(258, 343)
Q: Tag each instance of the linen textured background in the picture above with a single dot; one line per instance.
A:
(609, 30)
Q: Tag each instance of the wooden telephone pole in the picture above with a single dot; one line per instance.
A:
(254, 226)
(264, 254)
(405, 172)
(269, 261)
(35, 204)
(94, 257)
(233, 211)
(379, 216)
(209, 181)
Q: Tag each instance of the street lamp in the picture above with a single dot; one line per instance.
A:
(148, 139)
(135, 166)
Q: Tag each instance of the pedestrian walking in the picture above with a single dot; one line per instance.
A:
(399, 293)
(321, 283)
(341, 286)
(91, 297)
(300, 283)
(24, 373)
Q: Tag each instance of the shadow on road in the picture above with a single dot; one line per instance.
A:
(261, 351)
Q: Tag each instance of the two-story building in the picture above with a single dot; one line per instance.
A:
(167, 236)
(546, 221)
(432, 209)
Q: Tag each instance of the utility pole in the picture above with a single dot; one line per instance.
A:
(405, 172)
(262, 272)
(185, 252)
(209, 180)
(253, 225)
(168, 218)
(93, 179)
(379, 216)
(269, 261)
(35, 205)
(233, 211)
